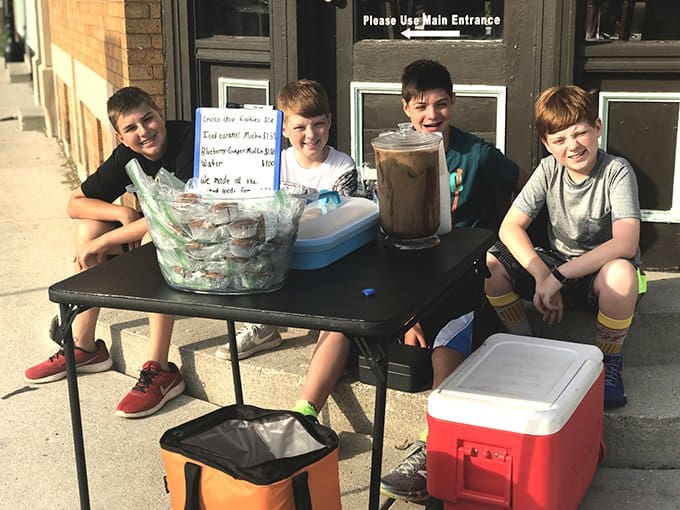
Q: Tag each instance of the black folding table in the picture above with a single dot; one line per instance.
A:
(405, 284)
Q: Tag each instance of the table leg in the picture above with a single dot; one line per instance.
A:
(377, 360)
(235, 368)
(74, 402)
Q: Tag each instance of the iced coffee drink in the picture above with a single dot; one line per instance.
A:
(408, 191)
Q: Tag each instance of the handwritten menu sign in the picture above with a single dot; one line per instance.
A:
(238, 151)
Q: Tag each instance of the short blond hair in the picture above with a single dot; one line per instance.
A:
(304, 97)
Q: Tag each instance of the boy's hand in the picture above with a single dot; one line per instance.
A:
(548, 300)
(415, 336)
(93, 253)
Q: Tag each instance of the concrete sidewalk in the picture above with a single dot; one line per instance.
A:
(123, 456)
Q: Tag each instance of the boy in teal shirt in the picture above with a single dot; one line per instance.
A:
(481, 181)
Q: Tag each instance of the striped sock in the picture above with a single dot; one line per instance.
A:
(510, 310)
(611, 333)
(305, 407)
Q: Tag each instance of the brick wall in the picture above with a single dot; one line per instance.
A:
(116, 42)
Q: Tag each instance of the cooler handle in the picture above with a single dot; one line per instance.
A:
(483, 453)
(301, 495)
(192, 478)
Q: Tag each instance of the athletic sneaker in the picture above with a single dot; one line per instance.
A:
(408, 481)
(614, 396)
(154, 388)
(54, 368)
(252, 338)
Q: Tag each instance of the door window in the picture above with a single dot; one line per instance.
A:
(232, 17)
(653, 20)
(430, 19)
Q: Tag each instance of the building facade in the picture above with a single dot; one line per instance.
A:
(501, 53)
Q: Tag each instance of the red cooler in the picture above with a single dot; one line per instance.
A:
(517, 426)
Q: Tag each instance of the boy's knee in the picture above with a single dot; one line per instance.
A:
(87, 230)
(618, 276)
(494, 265)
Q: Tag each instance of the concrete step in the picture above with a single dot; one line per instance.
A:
(644, 434)
(653, 336)
(633, 489)
(31, 118)
(19, 72)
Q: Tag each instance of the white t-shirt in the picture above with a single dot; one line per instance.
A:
(336, 173)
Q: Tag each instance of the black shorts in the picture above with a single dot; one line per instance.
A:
(577, 295)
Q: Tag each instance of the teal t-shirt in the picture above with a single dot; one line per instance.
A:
(477, 172)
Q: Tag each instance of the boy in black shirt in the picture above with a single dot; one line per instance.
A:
(106, 229)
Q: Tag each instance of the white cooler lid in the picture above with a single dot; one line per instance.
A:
(518, 384)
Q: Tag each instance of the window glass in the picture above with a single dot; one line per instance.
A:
(430, 19)
(629, 20)
(232, 17)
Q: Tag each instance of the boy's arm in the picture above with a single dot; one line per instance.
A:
(623, 244)
(81, 207)
(95, 251)
(513, 233)
(547, 298)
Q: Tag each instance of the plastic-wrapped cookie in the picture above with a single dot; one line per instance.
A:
(216, 281)
(223, 212)
(244, 248)
(243, 228)
(200, 251)
(203, 230)
(255, 280)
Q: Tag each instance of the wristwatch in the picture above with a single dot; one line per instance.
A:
(559, 276)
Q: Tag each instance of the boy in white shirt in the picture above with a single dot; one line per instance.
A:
(309, 161)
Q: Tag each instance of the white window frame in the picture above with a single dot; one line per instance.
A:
(223, 83)
(359, 88)
(671, 215)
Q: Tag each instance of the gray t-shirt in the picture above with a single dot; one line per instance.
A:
(581, 215)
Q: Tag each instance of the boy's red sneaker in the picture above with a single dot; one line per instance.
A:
(154, 388)
(54, 367)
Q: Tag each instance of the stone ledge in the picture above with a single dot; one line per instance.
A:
(31, 118)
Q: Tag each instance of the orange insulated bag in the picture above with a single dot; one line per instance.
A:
(242, 456)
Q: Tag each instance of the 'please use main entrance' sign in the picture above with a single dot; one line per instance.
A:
(238, 151)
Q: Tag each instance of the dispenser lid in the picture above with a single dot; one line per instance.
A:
(406, 139)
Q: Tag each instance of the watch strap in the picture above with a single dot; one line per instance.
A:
(559, 276)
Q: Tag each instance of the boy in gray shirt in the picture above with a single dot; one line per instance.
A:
(593, 261)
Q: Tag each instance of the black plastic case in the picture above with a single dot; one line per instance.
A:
(409, 368)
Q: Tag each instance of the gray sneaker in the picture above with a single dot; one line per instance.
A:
(252, 338)
(408, 481)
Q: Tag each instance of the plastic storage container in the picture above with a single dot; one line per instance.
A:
(219, 245)
(517, 426)
(409, 368)
(324, 238)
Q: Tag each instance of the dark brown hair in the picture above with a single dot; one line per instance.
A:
(423, 75)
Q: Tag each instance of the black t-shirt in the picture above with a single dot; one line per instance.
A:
(110, 179)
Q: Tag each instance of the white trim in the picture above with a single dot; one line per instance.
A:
(671, 215)
(359, 88)
(224, 82)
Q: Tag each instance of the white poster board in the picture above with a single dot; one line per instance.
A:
(238, 151)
